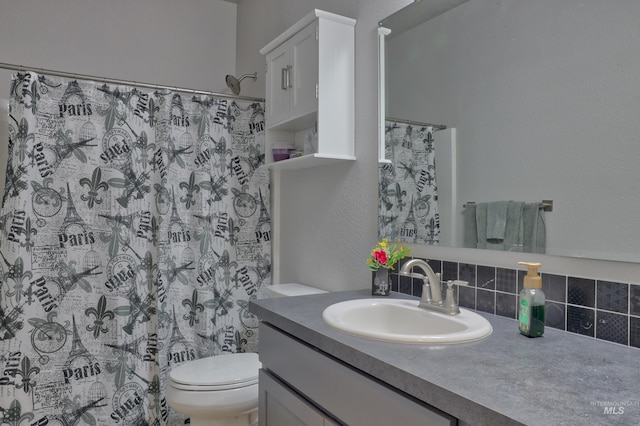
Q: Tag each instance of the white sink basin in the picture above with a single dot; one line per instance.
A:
(400, 320)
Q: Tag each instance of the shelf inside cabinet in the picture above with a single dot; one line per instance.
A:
(307, 161)
(296, 124)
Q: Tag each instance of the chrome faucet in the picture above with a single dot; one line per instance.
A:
(431, 294)
(431, 289)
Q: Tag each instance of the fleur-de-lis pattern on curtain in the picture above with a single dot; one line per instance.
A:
(134, 231)
(408, 197)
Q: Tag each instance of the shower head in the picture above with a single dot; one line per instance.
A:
(234, 83)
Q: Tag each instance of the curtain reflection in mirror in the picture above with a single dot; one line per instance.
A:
(408, 204)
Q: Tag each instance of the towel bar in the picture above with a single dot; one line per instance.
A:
(545, 205)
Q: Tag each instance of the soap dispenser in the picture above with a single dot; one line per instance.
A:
(531, 302)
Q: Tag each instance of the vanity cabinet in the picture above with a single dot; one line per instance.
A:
(310, 78)
(300, 385)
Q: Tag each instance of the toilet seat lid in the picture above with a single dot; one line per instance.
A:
(217, 372)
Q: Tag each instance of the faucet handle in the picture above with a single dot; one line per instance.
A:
(451, 283)
(450, 301)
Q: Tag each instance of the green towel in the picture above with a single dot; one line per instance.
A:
(496, 224)
(514, 229)
(470, 226)
(496, 221)
(481, 225)
(534, 230)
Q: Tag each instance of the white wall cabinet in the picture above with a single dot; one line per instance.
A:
(310, 86)
(292, 78)
(304, 386)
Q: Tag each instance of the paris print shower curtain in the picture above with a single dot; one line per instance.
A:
(134, 232)
(408, 196)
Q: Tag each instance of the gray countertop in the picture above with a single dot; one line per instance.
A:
(506, 378)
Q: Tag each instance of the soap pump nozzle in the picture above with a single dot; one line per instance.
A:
(532, 279)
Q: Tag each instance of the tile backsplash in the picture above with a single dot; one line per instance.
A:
(600, 309)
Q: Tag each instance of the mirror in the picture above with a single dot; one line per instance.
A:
(541, 101)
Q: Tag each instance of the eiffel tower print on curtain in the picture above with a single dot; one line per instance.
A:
(80, 362)
(180, 350)
(141, 251)
(263, 230)
(72, 217)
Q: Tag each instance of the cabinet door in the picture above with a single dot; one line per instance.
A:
(277, 101)
(304, 57)
(279, 406)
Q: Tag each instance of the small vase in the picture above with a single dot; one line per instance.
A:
(381, 285)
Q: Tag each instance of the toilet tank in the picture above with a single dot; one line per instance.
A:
(291, 289)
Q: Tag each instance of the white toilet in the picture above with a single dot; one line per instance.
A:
(222, 390)
(216, 391)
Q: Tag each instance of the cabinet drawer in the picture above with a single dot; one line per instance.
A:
(339, 389)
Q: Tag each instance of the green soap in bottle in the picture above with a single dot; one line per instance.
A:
(531, 302)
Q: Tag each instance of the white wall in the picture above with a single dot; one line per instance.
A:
(330, 214)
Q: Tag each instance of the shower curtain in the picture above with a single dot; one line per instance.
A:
(408, 198)
(134, 232)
